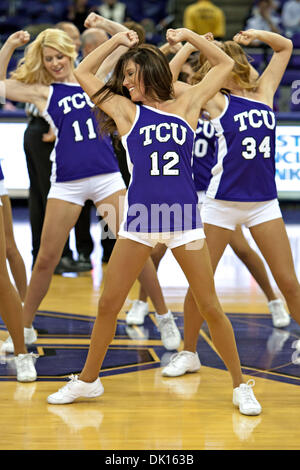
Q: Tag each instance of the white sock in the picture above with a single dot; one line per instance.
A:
(165, 315)
(274, 302)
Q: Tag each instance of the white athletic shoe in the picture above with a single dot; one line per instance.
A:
(25, 367)
(181, 363)
(244, 399)
(280, 317)
(277, 340)
(170, 334)
(29, 337)
(76, 388)
(137, 313)
(296, 344)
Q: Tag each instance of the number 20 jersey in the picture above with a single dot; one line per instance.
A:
(245, 152)
(159, 155)
(79, 151)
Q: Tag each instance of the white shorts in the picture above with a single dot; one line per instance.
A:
(170, 239)
(201, 198)
(3, 190)
(229, 214)
(95, 188)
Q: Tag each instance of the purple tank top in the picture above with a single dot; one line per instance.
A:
(161, 196)
(79, 151)
(203, 154)
(245, 152)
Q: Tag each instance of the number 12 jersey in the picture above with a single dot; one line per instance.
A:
(161, 196)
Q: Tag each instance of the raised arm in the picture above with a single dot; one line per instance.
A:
(18, 39)
(116, 106)
(94, 20)
(13, 89)
(282, 47)
(221, 65)
(180, 58)
(111, 27)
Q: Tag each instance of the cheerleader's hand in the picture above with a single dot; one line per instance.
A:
(18, 39)
(175, 36)
(209, 36)
(245, 37)
(95, 21)
(127, 38)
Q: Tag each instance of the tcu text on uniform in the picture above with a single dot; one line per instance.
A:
(255, 118)
(162, 133)
(77, 101)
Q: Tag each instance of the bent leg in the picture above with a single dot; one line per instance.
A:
(60, 218)
(273, 242)
(127, 257)
(217, 239)
(252, 261)
(149, 281)
(156, 256)
(197, 268)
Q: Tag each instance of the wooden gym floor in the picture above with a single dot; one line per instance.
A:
(140, 409)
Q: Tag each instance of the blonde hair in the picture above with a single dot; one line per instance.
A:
(31, 68)
(242, 72)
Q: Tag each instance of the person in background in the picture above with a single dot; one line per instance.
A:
(90, 39)
(205, 17)
(38, 144)
(291, 17)
(73, 32)
(242, 189)
(10, 301)
(113, 10)
(77, 13)
(83, 239)
(264, 17)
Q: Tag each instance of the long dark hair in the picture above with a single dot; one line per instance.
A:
(155, 72)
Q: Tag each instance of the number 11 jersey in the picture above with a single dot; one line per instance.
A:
(79, 151)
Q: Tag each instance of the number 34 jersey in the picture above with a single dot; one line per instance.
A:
(161, 196)
(79, 151)
(245, 152)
